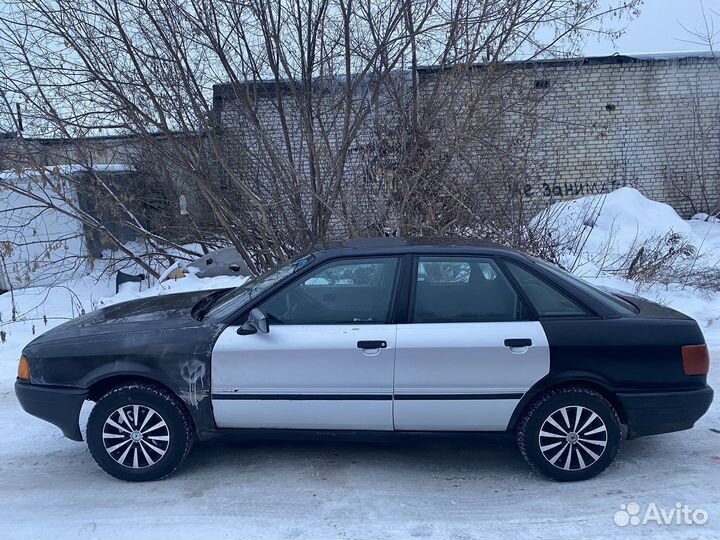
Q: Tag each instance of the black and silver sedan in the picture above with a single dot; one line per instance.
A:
(385, 335)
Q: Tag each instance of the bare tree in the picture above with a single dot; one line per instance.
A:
(336, 127)
(700, 189)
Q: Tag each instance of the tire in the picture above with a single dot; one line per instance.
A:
(562, 447)
(139, 432)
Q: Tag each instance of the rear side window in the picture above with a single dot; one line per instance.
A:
(463, 289)
(442, 271)
(546, 299)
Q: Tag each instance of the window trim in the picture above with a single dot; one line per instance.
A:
(241, 315)
(401, 313)
(590, 312)
(415, 263)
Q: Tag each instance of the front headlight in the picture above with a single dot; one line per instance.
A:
(24, 369)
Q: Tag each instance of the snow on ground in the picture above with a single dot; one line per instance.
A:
(460, 487)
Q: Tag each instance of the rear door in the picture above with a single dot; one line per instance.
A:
(469, 351)
(327, 360)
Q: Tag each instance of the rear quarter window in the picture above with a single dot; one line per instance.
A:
(546, 299)
(621, 306)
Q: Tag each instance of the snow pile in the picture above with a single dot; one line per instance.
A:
(702, 216)
(608, 228)
(707, 239)
(596, 235)
(131, 291)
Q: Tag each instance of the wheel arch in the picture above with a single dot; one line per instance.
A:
(585, 379)
(172, 375)
(102, 386)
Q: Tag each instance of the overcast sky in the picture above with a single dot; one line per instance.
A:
(659, 28)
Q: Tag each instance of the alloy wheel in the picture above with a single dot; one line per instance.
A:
(136, 436)
(573, 438)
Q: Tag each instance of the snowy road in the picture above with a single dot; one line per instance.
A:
(471, 487)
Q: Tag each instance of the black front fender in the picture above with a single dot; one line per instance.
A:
(176, 358)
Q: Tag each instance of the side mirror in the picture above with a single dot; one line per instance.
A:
(256, 322)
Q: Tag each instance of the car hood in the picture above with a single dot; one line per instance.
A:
(146, 314)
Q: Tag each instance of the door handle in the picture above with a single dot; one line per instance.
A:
(372, 344)
(518, 342)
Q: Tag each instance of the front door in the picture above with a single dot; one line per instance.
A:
(469, 350)
(327, 360)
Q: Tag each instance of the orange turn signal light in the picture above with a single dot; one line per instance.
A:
(696, 359)
(24, 369)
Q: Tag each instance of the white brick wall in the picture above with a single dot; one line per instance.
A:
(650, 123)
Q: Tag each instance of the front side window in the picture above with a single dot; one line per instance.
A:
(546, 299)
(253, 288)
(463, 289)
(359, 291)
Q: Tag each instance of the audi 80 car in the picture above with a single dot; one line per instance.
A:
(386, 335)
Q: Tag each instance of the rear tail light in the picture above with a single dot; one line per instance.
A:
(696, 360)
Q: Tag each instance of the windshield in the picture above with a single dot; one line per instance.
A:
(610, 300)
(254, 287)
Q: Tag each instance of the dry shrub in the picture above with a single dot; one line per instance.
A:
(665, 259)
(657, 258)
(535, 241)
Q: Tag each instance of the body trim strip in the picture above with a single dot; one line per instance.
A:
(363, 397)
(304, 397)
(513, 395)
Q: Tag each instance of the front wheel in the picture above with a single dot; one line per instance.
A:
(139, 432)
(570, 434)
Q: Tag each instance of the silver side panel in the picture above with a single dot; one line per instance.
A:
(304, 360)
(464, 360)
(454, 415)
(307, 414)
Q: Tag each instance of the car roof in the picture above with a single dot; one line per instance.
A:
(401, 245)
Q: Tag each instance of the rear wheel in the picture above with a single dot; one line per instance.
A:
(570, 434)
(139, 432)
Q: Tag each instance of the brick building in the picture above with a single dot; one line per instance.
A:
(648, 121)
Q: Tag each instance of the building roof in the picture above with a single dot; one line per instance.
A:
(271, 87)
(598, 60)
